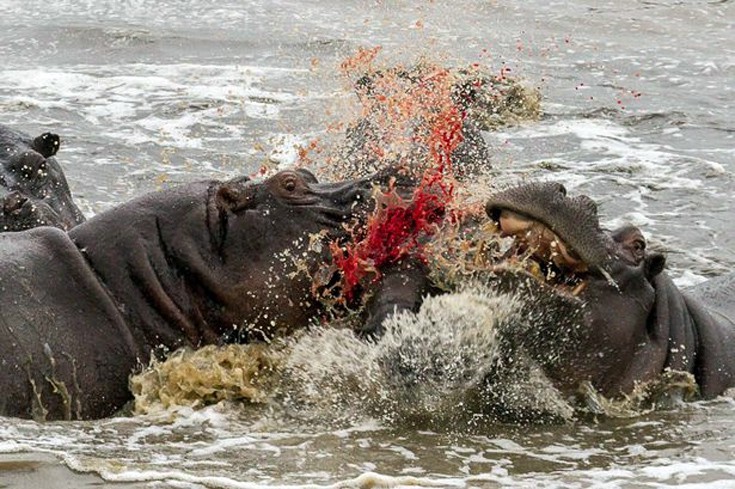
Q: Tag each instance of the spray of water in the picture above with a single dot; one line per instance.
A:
(449, 365)
(464, 360)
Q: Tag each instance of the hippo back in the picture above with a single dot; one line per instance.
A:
(61, 338)
(718, 295)
(712, 307)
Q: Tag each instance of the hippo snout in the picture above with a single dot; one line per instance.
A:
(544, 211)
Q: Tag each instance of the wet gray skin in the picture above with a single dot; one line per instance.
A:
(33, 188)
(632, 321)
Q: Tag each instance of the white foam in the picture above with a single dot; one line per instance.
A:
(140, 103)
(285, 152)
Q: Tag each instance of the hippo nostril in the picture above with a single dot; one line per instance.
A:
(587, 202)
(561, 189)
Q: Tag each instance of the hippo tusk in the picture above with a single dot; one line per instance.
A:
(565, 257)
(512, 223)
(579, 288)
(547, 245)
(607, 276)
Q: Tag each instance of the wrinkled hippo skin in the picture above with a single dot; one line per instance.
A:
(183, 266)
(33, 189)
(632, 321)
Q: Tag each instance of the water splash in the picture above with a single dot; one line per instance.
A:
(456, 365)
(404, 109)
(668, 390)
(195, 378)
(447, 366)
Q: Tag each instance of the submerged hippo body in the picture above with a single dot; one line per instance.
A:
(33, 189)
(79, 311)
(633, 322)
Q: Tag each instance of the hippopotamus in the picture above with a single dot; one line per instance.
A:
(629, 321)
(184, 266)
(597, 306)
(33, 189)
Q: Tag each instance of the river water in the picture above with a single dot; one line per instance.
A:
(637, 113)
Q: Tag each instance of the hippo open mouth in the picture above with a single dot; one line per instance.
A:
(559, 235)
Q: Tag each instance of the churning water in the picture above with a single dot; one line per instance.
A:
(637, 102)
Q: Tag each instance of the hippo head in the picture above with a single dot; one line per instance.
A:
(610, 275)
(274, 236)
(227, 260)
(33, 188)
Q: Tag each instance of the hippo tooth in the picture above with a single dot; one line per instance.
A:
(579, 288)
(513, 223)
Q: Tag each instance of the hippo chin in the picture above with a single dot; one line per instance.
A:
(33, 189)
(183, 266)
(632, 322)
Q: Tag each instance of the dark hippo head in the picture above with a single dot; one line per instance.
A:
(234, 259)
(33, 188)
(610, 275)
(285, 224)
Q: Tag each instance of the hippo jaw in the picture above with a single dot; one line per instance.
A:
(561, 235)
(548, 216)
(610, 275)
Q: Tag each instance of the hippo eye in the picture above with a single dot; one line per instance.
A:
(637, 248)
(639, 245)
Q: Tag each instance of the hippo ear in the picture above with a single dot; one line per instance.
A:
(653, 264)
(47, 144)
(236, 195)
(307, 175)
